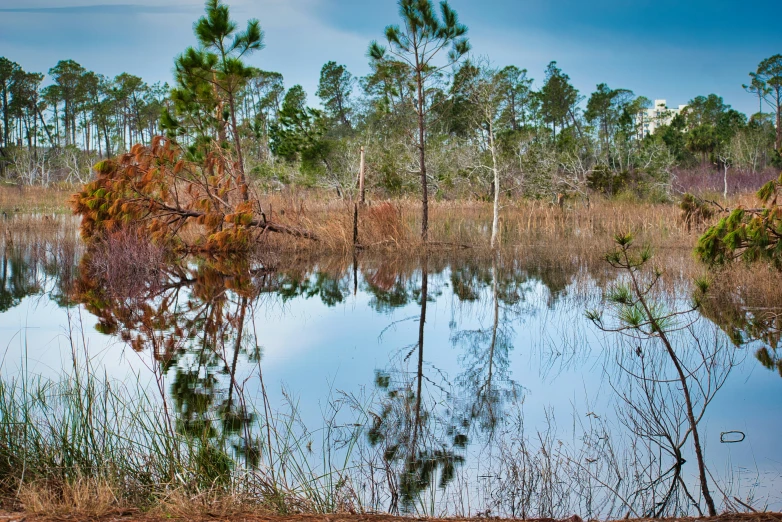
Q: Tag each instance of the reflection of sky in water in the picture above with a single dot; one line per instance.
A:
(317, 352)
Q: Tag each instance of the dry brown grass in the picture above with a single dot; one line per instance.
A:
(178, 504)
(84, 497)
(350, 517)
(755, 285)
(395, 225)
(18, 198)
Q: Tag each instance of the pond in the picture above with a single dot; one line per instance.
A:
(446, 383)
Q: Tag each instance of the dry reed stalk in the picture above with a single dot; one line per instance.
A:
(393, 225)
(181, 504)
(84, 497)
(18, 198)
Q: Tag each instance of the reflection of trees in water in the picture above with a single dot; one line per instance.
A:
(653, 408)
(750, 313)
(331, 290)
(419, 451)
(37, 263)
(193, 316)
(20, 277)
(423, 429)
(197, 319)
(486, 351)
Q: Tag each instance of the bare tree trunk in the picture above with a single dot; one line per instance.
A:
(725, 180)
(420, 372)
(5, 114)
(355, 225)
(43, 124)
(422, 151)
(422, 160)
(56, 126)
(86, 134)
(106, 137)
(67, 122)
(778, 144)
(496, 216)
(361, 178)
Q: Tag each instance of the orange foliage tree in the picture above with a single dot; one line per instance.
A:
(157, 192)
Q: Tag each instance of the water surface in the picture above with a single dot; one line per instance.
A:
(447, 383)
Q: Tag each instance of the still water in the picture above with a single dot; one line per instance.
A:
(440, 384)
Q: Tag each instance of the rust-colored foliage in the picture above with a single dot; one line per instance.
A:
(160, 194)
(165, 307)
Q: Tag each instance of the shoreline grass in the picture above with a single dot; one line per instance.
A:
(85, 445)
(394, 224)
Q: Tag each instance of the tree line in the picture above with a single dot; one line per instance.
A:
(433, 116)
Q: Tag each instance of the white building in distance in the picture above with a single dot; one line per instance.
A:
(659, 114)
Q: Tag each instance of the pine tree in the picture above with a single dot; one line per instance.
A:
(516, 90)
(7, 71)
(218, 63)
(558, 97)
(334, 89)
(769, 83)
(417, 43)
(67, 75)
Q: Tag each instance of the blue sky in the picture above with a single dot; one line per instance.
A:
(663, 49)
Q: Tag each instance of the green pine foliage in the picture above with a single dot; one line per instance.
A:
(751, 235)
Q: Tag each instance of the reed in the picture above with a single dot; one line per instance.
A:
(85, 445)
(34, 199)
(395, 224)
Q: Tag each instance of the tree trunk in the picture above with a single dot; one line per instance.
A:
(778, 144)
(5, 114)
(422, 156)
(235, 128)
(87, 135)
(98, 142)
(67, 122)
(57, 125)
(496, 214)
(420, 372)
(361, 177)
(725, 180)
(43, 124)
(107, 137)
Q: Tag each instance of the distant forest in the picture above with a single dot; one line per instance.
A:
(467, 114)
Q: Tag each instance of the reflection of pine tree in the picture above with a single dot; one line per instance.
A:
(417, 442)
(192, 317)
(329, 289)
(20, 278)
(421, 454)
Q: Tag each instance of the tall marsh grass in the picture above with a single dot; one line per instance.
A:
(395, 224)
(89, 445)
